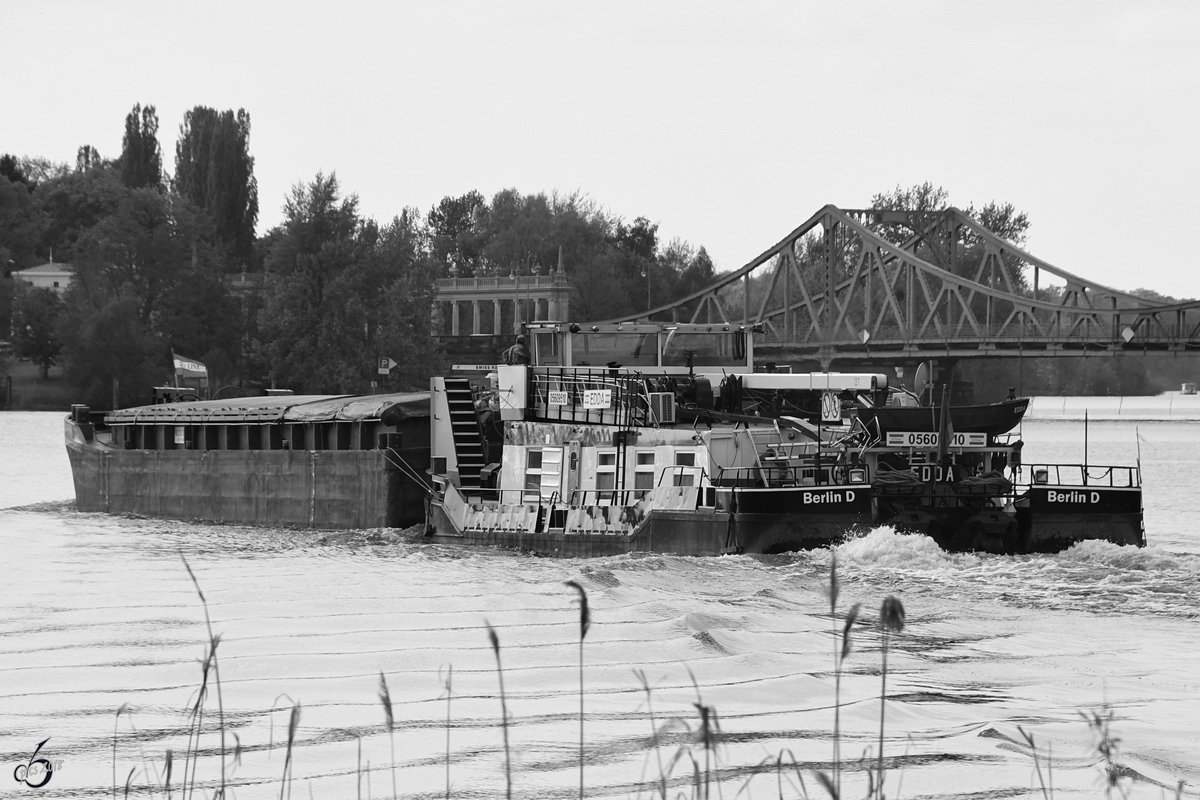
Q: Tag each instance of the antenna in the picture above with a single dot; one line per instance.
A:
(1085, 445)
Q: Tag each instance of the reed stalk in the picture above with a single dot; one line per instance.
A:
(448, 684)
(213, 641)
(385, 698)
(710, 727)
(585, 622)
(1037, 764)
(891, 620)
(170, 762)
(293, 724)
(116, 721)
(841, 649)
(662, 775)
(495, 640)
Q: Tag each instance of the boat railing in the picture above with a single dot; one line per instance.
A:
(508, 497)
(1079, 475)
(682, 475)
(577, 497)
(607, 497)
(786, 475)
(597, 395)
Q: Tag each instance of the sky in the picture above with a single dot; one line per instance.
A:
(727, 124)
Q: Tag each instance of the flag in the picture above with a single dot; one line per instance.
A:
(188, 367)
(945, 429)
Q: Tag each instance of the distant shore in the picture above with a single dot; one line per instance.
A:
(1168, 406)
(31, 393)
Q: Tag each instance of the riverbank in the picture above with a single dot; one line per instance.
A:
(24, 389)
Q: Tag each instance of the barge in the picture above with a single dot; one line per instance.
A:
(310, 461)
(677, 444)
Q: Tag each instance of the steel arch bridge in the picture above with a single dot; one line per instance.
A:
(866, 285)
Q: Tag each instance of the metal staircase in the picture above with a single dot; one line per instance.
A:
(468, 438)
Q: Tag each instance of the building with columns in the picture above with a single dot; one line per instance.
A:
(498, 305)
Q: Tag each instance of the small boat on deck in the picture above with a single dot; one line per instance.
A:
(993, 419)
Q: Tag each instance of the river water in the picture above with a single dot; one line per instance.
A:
(99, 615)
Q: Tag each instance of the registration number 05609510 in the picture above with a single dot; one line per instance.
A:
(930, 439)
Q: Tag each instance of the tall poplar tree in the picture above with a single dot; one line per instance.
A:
(215, 171)
(141, 156)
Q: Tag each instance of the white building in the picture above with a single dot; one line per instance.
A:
(47, 276)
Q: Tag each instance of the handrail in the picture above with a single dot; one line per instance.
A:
(1116, 476)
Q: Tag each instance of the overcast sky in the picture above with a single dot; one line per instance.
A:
(728, 124)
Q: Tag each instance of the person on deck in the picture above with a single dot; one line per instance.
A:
(518, 353)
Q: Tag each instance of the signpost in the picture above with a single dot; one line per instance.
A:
(386, 365)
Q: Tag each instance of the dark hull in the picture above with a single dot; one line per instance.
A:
(798, 518)
(1056, 517)
(991, 419)
(699, 532)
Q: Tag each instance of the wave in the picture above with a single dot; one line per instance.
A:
(1109, 556)
(45, 507)
(887, 547)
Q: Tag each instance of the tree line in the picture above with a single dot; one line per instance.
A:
(155, 258)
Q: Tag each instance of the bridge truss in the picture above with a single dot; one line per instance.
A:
(854, 285)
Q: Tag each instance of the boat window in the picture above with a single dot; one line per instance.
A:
(643, 477)
(685, 459)
(608, 459)
(533, 459)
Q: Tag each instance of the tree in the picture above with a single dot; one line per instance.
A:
(35, 319)
(20, 225)
(343, 292)
(215, 171)
(74, 203)
(925, 205)
(598, 288)
(454, 237)
(87, 158)
(317, 244)
(108, 346)
(11, 168)
(139, 249)
(140, 284)
(393, 291)
(39, 170)
(141, 157)
(197, 315)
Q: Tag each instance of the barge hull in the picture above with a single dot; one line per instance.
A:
(301, 488)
